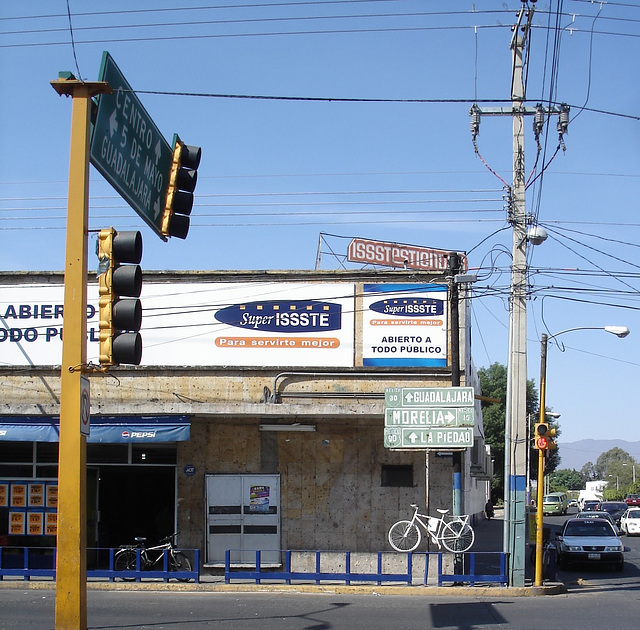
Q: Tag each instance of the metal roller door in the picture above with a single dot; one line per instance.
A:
(243, 515)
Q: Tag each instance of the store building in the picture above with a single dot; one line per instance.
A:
(257, 417)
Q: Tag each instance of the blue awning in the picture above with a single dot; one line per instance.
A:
(104, 429)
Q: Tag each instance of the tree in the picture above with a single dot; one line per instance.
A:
(616, 467)
(610, 460)
(588, 471)
(493, 381)
(565, 479)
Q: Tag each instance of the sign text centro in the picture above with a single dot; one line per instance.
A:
(128, 149)
(370, 252)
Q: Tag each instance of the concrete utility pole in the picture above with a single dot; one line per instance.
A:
(516, 449)
(515, 434)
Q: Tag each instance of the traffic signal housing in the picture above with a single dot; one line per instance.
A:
(120, 284)
(182, 183)
(543, 436)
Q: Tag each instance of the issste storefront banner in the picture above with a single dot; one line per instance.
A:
(404, 325)
(196, 324)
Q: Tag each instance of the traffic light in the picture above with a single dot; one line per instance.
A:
(543, 436)
(182, 183)
(120, 285)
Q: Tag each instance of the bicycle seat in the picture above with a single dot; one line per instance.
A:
(140, 539)
(442, 511)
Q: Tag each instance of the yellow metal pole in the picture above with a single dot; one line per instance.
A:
(540, 493)
(71, 564)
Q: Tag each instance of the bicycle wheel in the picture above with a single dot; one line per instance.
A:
(457, 536)
(125, 560)
(404, 536)
(179, 562)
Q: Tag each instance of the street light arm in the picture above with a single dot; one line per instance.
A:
(618, 331)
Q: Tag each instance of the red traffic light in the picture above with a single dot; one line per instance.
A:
(542, 443)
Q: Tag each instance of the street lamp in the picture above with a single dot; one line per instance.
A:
(618, 331)
(633, 468)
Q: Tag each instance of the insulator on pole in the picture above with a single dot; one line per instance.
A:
(563, 119)
(538, 120)
(474, 112)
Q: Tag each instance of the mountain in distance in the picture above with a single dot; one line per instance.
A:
(574, 455)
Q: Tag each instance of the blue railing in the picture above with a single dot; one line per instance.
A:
(31, 562)
(470, 567)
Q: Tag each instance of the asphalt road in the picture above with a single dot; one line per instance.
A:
(581, 577)
(586, 609)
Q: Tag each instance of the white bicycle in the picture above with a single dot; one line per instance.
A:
(454, 534)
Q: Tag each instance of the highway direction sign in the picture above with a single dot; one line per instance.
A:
(429, 397)
(437, 418)
(129, 150)
(428, 438)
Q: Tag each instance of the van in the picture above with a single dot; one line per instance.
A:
(555, 503)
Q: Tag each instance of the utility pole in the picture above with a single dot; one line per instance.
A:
(515, 484)
(516, 436)
(454, 269)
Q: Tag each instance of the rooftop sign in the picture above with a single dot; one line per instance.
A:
(370, 252)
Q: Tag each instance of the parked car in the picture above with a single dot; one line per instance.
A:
(590, 506)
(630, 522)
(632, 500)
(615, 508)
(590, 541)
(604, 515)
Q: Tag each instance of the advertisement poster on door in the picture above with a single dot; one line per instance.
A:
(404, 325)
(259, 499)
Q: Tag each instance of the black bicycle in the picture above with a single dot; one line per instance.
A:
(152, 557)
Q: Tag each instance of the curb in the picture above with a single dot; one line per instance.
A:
(556, 588)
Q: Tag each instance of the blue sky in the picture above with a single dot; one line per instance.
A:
(372, 141)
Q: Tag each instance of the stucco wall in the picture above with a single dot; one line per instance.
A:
(331, 492)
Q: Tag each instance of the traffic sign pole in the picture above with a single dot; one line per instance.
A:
(71, 558)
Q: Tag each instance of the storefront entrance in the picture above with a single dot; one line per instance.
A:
(135, 501)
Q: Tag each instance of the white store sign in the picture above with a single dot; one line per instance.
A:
(196, 324)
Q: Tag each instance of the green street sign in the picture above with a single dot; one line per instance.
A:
(430, 416)
(129, 150)
(429, 397)
(431, 438)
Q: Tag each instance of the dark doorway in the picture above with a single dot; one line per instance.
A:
(135, 501)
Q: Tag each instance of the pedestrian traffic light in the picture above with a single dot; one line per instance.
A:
(543, 436)
(182, 183)
(120, 284)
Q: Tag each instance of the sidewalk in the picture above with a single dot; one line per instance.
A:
(489, 533)
(488, 537)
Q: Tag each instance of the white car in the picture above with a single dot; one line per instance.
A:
(589, 541)
(630, 522)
